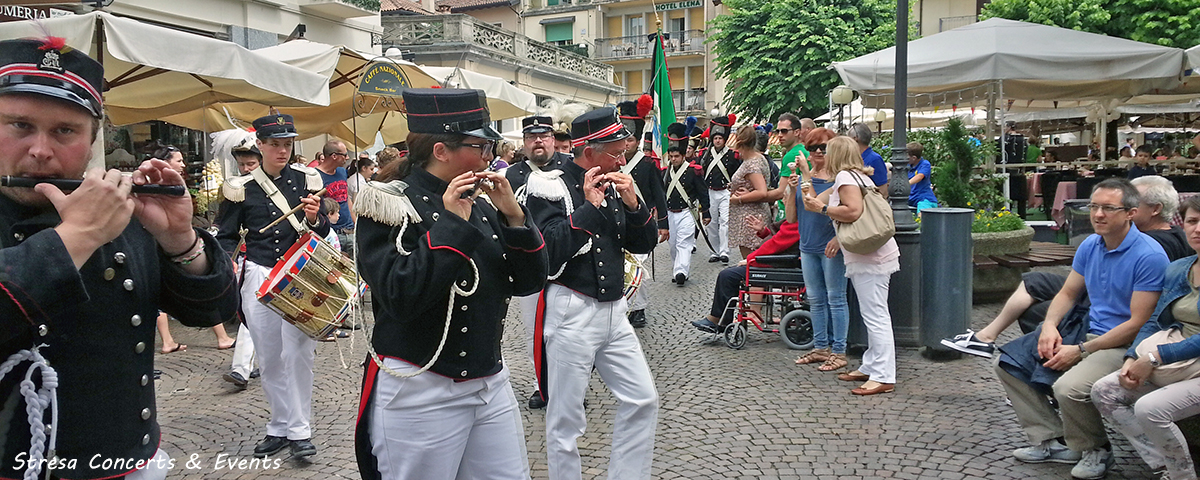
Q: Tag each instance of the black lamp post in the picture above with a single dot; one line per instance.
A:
(841, 96)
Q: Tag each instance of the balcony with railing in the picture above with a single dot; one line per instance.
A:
(639, 46)
(406, 32)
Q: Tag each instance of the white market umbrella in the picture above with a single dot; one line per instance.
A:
(855, 112)
(153, 71)
(1026, 61)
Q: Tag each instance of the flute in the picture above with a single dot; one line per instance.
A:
(71, 184)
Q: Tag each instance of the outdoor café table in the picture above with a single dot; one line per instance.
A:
(1066, 191)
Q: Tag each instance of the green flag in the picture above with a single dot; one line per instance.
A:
(660, 90)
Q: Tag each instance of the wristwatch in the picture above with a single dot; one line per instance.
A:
(1083, 353)
(1153, 360)
(824, 209)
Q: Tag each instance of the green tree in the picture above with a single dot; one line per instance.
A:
(777, 54)
(1172, 23)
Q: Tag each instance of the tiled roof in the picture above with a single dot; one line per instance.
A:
(465, 5)
(402, 7)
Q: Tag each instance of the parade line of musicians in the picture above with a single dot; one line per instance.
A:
(93, 263)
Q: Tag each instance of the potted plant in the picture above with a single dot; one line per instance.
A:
(995, 230)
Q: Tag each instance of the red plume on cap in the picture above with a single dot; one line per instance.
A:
(705, 134)
(53, 43)
(732, 119)
(644, 105)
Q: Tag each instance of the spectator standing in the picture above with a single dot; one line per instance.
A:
(333, 174)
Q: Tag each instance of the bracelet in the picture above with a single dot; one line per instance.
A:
(192, 257)
(185, 252)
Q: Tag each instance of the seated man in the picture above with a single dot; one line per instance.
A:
(1158, 201)
(1121, 269)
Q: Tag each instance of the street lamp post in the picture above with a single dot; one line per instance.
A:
(880, 116)
(904, 299)
(841, 96)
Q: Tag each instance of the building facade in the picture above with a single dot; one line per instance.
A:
(935, 16)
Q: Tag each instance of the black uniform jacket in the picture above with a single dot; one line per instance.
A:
(645, 175)
(97, 325)
(692, 182)
(518, 174)
(410, 292)
(599, 272)
(257, 210)
(713, 178)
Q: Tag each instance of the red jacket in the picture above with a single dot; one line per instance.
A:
(787, 237)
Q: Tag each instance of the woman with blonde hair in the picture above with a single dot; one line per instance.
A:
(870, 273)
(749, 187)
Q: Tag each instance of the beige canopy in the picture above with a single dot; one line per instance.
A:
(152, 72)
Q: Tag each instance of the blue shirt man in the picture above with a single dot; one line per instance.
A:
(862, 134)
(919, 172)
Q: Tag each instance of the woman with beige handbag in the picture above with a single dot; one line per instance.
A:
(1159, 383)
(870, 262)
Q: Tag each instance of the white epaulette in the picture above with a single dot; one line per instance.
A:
(386, 203)
(312, 178)
(234, 189)
(546, 184)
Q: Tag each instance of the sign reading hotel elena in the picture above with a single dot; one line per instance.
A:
(677, 5)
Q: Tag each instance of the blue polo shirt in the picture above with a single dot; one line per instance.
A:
(922, 190)
(872, 159)
(1111, 277)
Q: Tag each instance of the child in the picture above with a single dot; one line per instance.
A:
(331, 208)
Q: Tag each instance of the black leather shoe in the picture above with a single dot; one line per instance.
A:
(303, 448)
(713, 259)
(680, 279)
(235, 378)
(270, 446)
(638, 319)
(255, 373)
(725, 259)
(536, 401)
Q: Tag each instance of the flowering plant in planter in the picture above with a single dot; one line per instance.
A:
(957, 185)
(991, 221)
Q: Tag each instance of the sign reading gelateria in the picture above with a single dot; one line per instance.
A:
(384, 79)
(677, 5)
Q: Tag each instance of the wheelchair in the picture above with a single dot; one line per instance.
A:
(781, 287)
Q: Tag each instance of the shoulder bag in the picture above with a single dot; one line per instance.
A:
(873, 228)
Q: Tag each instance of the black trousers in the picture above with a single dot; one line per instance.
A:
(729, 282)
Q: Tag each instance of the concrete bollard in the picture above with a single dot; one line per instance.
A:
(946, 274)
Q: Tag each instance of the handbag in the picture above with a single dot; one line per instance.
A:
(1168, 373)
(873, 228)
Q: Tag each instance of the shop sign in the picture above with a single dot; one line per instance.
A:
(13, 13)
(386, 79)
(660, 7)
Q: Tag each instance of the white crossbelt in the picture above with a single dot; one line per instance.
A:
(277, 198)
(628, 170)
(718, 163)
(674, 185)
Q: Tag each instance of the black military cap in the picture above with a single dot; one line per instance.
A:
(253, 149)
(677, 135)
(600, 125)
(719, 126)
(536, 124)
(49, 67)
(275, 126)
(449, 110)
(628, 110)
(648, 139)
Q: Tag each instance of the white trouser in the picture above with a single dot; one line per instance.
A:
(581, 332)
(683, 239)
(879, 361)
(718, 228)
(528, 305)
(640, 300)
(1146, 416)
(430, 427)
(285, 355)
(156, 469)
(243, 353)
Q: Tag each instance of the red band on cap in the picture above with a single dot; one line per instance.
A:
(66, 76)
(606, 131)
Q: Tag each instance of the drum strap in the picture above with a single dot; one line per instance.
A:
(277, 198)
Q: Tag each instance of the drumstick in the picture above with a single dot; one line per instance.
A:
(288, 214)
(73, 184)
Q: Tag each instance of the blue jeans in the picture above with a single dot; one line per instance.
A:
(825, 286)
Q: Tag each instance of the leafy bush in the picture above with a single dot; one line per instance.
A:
(989, 221)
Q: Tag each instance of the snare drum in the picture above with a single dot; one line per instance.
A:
(634, 274)
(313, 287)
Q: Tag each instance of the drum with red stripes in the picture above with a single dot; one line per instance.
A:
(313, 287)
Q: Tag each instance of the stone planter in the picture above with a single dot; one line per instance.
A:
(996, 284)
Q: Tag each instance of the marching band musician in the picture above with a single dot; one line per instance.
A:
(436, 400)
(719, 162)
(684, 181)
(646, 175)
(588, 214)
(541, 155)
(85, 274)
(285, 354)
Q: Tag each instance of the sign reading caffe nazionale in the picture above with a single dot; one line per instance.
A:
(13, 13)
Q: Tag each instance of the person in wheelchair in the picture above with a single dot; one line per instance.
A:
(784, 241)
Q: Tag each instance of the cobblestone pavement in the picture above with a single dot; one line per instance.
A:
(741, 414)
